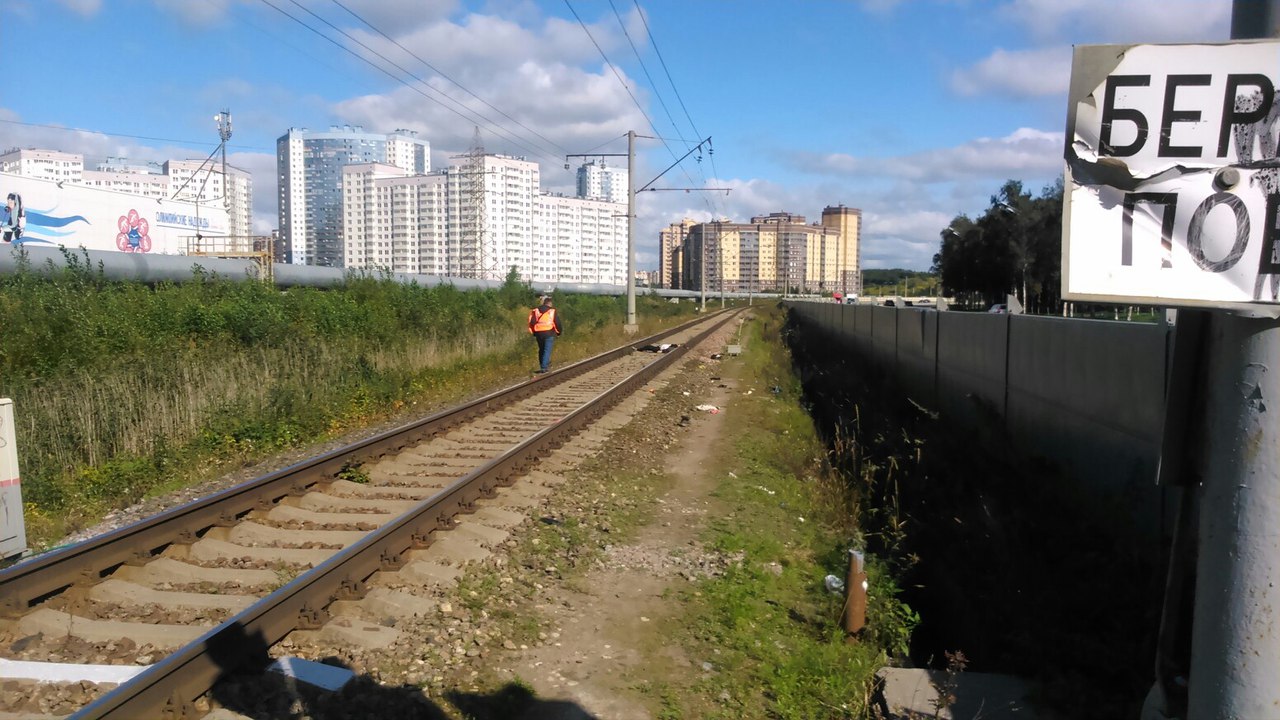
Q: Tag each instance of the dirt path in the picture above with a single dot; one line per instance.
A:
(609, 638)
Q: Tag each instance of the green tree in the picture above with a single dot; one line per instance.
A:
(1013, 247)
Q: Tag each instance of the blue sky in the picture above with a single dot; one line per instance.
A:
(911, 110)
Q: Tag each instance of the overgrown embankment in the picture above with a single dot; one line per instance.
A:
(768, 620)
(686, 564)
(1004, 560)
(122, 389)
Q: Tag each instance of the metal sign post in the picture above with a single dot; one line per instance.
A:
(1173, 197)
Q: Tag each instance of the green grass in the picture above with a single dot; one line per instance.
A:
(986, 540)
(768, 626)
(122, 390)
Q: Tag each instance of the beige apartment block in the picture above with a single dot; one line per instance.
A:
(671, 241)
(778, 252)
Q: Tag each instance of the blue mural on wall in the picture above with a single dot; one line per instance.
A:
(45, 228)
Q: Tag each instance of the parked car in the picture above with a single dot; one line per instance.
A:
(999, 309)
(889, 303)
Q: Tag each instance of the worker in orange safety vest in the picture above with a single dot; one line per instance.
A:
(544, 324)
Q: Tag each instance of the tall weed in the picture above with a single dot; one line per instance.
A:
(992, 546)
(121, 388)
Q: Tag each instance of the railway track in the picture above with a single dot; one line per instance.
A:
(338, 546)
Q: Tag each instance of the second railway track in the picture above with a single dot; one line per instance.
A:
(204, 590)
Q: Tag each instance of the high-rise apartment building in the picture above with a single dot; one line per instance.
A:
(392, 220)
(579, 240)
(670, 256)
(310, 166)
(491, 204)
(202, 182)
(45, 164)
(776, 253)
(598, 181)
(120, 175)
(848, 221)
(478, 218)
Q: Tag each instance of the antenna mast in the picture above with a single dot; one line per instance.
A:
(224, 134)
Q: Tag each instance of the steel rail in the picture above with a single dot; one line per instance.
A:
(169, 688)
(35, 579)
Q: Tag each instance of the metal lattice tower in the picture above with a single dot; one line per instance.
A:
(474, 192)
(224, 133)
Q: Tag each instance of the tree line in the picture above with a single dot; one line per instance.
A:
(1014, 247)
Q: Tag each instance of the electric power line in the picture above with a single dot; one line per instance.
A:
(616, 74)
(400, 80)
(709, 202)
(126, 135)
(626, 87)
(654, 42)
(392, 63)
(674, 126)
(500, 130)
(645, 69)
(446, 77)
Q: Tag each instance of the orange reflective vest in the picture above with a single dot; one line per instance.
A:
(542, 322)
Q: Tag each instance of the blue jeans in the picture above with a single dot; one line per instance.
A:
(544, 349)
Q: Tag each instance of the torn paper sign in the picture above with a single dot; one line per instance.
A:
(1172, 182)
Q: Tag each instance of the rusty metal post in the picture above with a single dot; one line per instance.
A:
(855, 595)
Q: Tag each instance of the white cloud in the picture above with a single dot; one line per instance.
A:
(195, 14)
(1024, 152)
(899, 230)
(396, 16)
(85, 8)
(1055, 25)
(906, 200)
(1108, 21)
(879, 7)
(552, 104)
(1019, 73)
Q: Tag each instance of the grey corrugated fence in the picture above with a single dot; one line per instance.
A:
(1087, 395)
